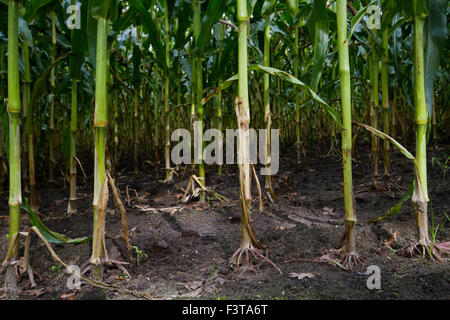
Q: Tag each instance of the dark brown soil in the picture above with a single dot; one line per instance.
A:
(188, 245)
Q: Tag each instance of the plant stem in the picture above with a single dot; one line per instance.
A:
(199, 93)
(156, 116)
(51, 126)
(219, 96)
(14, 108)
(374, 103)
(296, 91)
(267, 113)
(2, 99)
(421, 118)
(29, 122)
(72, 207)
(243, 118)
(385, 104)
(100, 124)
(166, 95)
(344, 71)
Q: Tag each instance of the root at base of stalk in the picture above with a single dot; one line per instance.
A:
(427, 249)
(242, 259)
(352, 260)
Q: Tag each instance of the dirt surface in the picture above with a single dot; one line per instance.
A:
(185, 247)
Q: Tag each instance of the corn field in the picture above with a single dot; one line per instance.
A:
(220, 149)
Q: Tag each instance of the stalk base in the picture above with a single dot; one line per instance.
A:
(243, 258)
(427, 249)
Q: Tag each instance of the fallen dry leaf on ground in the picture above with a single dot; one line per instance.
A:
(194, 285)
(35, 292)
(301, 276)
(388, 243)
(328, 211)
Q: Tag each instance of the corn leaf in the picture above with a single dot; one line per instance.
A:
(357, 19)
(318, 29)
(397, 207)
(435, 36)
(290, 78)
(79, 44)
(384, 136)
(213, 13)
(154, 37)
(50, 236)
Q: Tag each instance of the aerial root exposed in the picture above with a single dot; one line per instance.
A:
(334, 154)
(242, 258)
(429, 250)
(192, 192)
(352, 260)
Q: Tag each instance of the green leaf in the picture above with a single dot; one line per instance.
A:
(50, 236)
(40, 82)
(25, 31)
(65, 145)
(126, 20)
(397, 207)
(290, 78)
(292, 6)
(137, 57)
(225, 85)
(384, 136)
(32, 8)
(100, 8)
(267, 8)
(250, 6)
(318, 29)
(414, 8)
(357, 19)
(283, 76)
(79, 44)
(185, 12)
(4, 121)
(92, 36)
(154, 36)
(214, 11)
(435, 37)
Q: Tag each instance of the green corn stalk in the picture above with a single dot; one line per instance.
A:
(136, 105)
(116, 125)
(72, 208)
(374, 103)
(2, 99)
(296, 91)
(29, 123)
(385, 105)
(100, 124)
(420, 197)
(156, 116)
(135, 129)
(344, 71)
(243, 117)
(267, 113)
(166, 96)
(14, 109)
(199, 93)
(219, 95)
(51, 126)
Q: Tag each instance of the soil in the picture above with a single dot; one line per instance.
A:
(186, 246)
